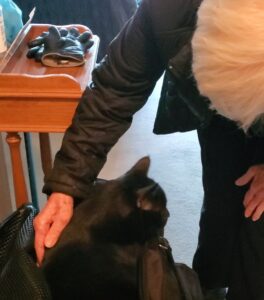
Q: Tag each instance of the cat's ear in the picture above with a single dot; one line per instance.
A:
(141, 167)
(137, 172)
(142, 197)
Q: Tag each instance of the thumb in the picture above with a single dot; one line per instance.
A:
(56, 230)
(246, 178)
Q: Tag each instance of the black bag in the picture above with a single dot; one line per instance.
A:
(19, 276)
(160, 278)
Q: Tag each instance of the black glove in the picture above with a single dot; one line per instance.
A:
(60, 47)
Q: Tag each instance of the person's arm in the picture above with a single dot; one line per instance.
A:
(121, 85)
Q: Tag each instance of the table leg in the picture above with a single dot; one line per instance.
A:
(45, 151)
(14, 140)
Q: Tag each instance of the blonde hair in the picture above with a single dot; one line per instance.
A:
(228, 57)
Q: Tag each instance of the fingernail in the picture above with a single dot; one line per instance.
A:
(49, 244)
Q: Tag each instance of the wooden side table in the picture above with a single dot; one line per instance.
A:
(35, 98)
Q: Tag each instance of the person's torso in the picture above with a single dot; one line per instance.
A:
(181, 108)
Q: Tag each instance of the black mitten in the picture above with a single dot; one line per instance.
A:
(60, 47)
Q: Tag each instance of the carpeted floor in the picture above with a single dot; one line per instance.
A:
(175, 164)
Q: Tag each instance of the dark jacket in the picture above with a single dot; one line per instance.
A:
(156, 39)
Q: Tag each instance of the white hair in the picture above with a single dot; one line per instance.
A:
(228, 58)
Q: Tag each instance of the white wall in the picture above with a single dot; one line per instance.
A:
(5, 198)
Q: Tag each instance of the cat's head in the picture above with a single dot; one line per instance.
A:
(131, 207)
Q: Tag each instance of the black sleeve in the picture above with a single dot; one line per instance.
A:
(121, 85)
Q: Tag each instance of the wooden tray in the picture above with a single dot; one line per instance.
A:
(16, 77)
(35, 98)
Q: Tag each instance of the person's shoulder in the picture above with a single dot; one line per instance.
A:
(172, 5)
(168, 14)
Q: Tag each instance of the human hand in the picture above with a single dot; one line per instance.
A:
(51, 221)
(254, 197)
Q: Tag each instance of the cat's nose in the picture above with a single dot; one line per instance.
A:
(165, 215)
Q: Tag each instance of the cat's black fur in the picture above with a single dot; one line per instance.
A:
(96, 256)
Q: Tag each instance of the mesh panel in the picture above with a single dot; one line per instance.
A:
(20, 279)
(9, 230)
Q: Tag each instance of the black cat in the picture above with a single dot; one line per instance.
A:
(96, 256)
